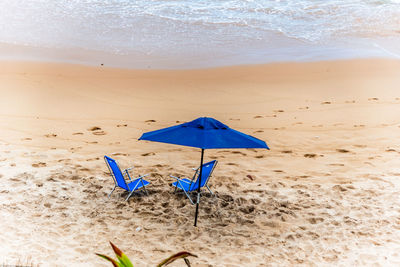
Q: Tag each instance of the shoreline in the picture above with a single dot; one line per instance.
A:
(292, 64)
(301, 53)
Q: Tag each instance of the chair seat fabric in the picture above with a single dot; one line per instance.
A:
(136, 184)
(184, 184)
(190, 185)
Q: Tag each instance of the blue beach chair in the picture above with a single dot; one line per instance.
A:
(190, 185)
(119, 180)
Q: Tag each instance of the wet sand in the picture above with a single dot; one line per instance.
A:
(325, 194)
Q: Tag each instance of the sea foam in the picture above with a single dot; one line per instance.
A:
(177, 34)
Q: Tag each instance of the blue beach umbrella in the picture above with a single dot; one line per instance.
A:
(204, 133)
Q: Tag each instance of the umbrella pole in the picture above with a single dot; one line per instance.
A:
(198, 189)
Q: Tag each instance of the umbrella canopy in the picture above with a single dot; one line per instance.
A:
(204, 133)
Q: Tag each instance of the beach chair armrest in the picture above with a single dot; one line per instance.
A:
(126, 172)
(179, 179)
(142, 176)
(128, 169)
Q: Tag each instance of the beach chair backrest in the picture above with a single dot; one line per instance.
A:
(116, 172)
(205, 175)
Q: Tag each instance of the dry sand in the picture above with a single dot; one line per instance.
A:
(326, 194)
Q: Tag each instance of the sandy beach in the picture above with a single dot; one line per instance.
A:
(326, 194)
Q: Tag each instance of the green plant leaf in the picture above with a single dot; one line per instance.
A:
(114, 262)
(123, 259)
(117, 251)
(179, 255)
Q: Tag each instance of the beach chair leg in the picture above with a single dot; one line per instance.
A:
(145, 190)
(130, 194)
(109, 195)
(191, 201)
(209, 190)
(144, 187)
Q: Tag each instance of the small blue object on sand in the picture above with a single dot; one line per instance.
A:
(190, 185)
(119, 180)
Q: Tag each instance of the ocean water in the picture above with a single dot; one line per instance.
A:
(197, 33)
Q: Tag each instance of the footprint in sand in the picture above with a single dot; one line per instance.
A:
(117, 143)
(250, 177)
(390, 150)
(82, 168)
(341, 150)
(358, 125)
(326, 103)
(62, 160)
(257, 117)
(336, 164)
(259, 156)
(78, 133)
(94, 142)
(279, 110)
(233, 119)
(310, 155)
(304, 107)
(158, 166)
(97, 130)
(148, 154)
(350, 102)
(238, 152)
(149, 121)
(259, 131)
(360, 146)
(99, 133)
(73, 149)
(122, 125)
(97, 158)
(94, 128)
(119, 154)
(26, 139)
(287, 151)
(50, 135)
(339, 188)
(373, 99)
(39, 164)
(315, 220)
(247, 209)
